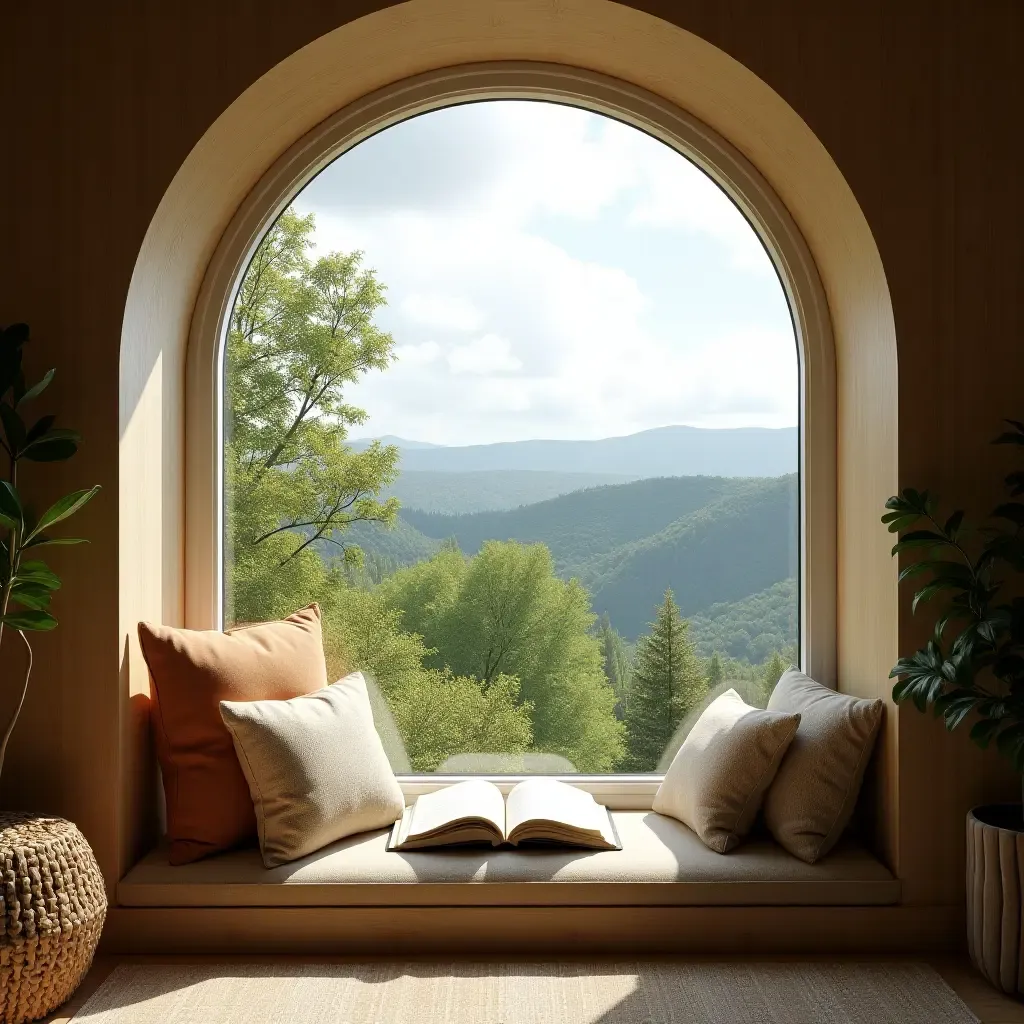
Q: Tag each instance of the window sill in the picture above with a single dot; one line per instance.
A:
(617, 792)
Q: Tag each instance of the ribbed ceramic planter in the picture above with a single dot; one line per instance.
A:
(995, 883)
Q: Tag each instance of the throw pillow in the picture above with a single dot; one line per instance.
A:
(811, 801)
(718, 777)
(208, 803)
(316, 768)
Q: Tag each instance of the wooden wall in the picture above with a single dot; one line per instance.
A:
(919, 103)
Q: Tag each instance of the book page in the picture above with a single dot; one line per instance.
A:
(550, 800)
(474, 798)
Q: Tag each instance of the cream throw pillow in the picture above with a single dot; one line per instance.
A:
(316, 768)
(812, 798)
(719, 775)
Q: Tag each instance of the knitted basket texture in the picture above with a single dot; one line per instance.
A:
(52, 907)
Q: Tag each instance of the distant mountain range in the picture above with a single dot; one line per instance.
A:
(488, 490)
(664, 451)
(361, 443)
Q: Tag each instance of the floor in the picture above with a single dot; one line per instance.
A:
(990, 1006)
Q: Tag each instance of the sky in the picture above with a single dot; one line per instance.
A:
(553, 273)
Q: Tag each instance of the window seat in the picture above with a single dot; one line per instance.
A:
(662, 863)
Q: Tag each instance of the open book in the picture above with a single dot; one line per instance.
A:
(537, 810)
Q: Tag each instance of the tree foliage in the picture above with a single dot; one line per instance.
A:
(973, 666)
(667, 683)
(617, 662)
(504, 612)
(302, 331)
(715, 672)
(440, 714)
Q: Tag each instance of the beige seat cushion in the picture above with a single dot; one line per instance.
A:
(316, 768)
(662, 863)
(719, 775)
(811, 800)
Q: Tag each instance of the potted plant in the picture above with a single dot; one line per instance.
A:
(44, 952)
(972, 670)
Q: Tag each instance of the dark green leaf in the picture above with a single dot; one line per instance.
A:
(56, 446)
(30, 618)
(41, 539)
(14, 334)
(14, 428)
(918, 539)
(37, 389)
(31, 595)
(927, 593)
(40, 427)
(1009, 438)
(64, 508)
(1010, 738)
(955, 715)
(900, 523)
(983, 731)
(954, 522)
(38, 572)
(10, 502)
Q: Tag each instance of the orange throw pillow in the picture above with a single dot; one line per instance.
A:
(208, 803)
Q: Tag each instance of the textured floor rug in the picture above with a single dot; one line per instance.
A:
(520, 993)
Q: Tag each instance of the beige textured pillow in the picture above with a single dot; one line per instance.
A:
(814, 793)
(717, 779)
(316, 768)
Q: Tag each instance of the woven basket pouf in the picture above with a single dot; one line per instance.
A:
(52, 906)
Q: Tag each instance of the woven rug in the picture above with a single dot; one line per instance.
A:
(519, 993)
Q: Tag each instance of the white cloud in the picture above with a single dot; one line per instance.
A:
(565, 343)
(439, 310)
(417, 355)
(486, 355)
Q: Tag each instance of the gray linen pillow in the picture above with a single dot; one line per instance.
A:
(718, 777)
(316, 768)
(812, 798)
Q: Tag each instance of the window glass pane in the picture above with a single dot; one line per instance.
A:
(511, 389)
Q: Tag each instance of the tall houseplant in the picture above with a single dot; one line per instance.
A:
(974, 662)
(27, 583)
(972, 669)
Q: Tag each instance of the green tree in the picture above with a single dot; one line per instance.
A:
(617, 664)
(715, 672)
(667, 683)
(503, 612)
(771, 673)
(302, 330)
(440, 714)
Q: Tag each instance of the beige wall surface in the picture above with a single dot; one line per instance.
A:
(918, 102)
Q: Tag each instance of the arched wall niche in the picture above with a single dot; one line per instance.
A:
(271, 117)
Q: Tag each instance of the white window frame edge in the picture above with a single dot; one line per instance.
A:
(602, 94)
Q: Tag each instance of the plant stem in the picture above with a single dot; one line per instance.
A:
(17, 711)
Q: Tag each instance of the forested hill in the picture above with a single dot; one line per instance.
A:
(711, 539)
(580, 525)
(725, 551)
(664, 451)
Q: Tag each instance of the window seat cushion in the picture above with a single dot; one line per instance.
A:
(662, 863)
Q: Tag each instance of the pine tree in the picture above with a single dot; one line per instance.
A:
(667, 683)
(770, 674)
(715, 672)
(617, 665)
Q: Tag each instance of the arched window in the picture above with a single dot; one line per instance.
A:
(512, 385)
